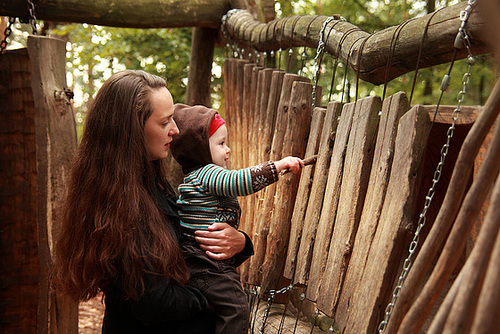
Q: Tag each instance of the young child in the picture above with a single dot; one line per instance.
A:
(208, 195)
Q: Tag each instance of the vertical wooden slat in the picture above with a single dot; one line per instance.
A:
(239, 90)
(294, 144)
(55, 145)
(246, 130)
(263, 140)
(264, 215)
(393, 108)
(301, 225)
(331, 198)
(370, 299)
(359, 155)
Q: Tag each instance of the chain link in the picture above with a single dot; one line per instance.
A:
(31, 9)
(7, 32)
(464, 15)
(272, 295)
(230, 43)
(319, 57)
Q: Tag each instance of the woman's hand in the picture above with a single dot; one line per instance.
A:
(221, 241)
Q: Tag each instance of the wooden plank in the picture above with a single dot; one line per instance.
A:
(246, 132)
(331, 198)
(398, 213)
(249, 134)
(264, 214)
(393, 108)
(55, 134)
(266, 139)
(19, 265)
(359, 155)
(239, 90)
(294, 144)
(305, 183)
(297, 250)
(263, 148)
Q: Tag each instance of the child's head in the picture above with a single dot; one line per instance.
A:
(200, 130)
(218, 141)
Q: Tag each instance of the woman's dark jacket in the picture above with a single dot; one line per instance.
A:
(167, 307)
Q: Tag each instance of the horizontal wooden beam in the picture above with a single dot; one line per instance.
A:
(124, 13)
(399, 44)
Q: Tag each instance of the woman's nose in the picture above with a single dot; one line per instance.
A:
(175, 130)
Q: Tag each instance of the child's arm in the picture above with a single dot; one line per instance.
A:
(292, 164)
(243, 182)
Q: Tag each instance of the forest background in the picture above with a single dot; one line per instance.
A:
(95, 52)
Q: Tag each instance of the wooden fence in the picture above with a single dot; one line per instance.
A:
(343, 227)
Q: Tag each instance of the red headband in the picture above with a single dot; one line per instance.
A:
(217, 121)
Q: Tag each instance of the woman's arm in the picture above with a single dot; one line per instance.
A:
(221, 242)
(167, 301)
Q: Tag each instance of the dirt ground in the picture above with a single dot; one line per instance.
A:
(90, 316)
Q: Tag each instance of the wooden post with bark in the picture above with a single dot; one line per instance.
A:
(41, 138)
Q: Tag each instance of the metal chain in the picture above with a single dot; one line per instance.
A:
(7, 32)
(272, 295)
(31, 9)
(319, 57)
(225, 32)
(462, 35)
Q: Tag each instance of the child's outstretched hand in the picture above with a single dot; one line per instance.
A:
(291, 164)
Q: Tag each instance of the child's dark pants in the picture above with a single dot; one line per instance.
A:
(220, 283)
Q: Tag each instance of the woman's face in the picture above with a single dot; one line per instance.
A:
(160, 126)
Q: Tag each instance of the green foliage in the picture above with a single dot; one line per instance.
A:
(95, 52)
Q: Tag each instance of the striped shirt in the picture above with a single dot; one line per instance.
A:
(209, 194)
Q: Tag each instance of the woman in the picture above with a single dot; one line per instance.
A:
(119, 225)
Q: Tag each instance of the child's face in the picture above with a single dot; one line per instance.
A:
(218, 147)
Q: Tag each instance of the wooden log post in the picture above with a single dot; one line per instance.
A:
(331, 198)
(264, 215)
(393, 108)
(297, 128)
(358, 159)
(133, 14)
(377, 47)
(38, 138)
(19, 265)
(304, 191)
(55, 145)
(312, 209)
(200, 66)
(369, 299)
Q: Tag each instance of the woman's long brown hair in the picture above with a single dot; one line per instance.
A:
(112, 229)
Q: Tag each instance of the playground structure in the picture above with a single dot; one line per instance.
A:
(345, 227)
